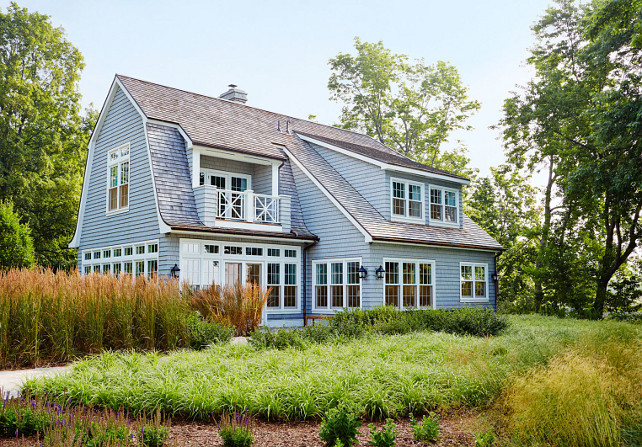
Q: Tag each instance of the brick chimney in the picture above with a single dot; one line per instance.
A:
(234, 94)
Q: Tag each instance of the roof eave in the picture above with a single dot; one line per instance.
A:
(437, 244)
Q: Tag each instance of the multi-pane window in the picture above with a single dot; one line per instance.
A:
(129, 251)
(140, 250)
(289, 286)
(337, 284)
(211, 249)
(118, 178)
(444, 206)
(123, 259)
(274, 252)
(282, 282)
(232, 250)
(290, 253)
(254, 251)
(87, 256)
(152, 248)
(408, 283)
(152, 268)
(474, 281)
(407, 199)
(274, 284)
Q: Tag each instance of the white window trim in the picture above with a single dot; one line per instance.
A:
(263, 259)
(416, 262)
(474, 299)
(397, 218)
(443, 223)
(330, 309)
(117, 163)
(133, 258)
(228, 177)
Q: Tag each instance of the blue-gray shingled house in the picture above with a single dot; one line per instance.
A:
(326, 218)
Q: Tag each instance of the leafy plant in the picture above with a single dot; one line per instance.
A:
(485, 439)
(236, 430)
(427, 430)
(279, 339)
(203, 333)
(384, 438)
(340, 424)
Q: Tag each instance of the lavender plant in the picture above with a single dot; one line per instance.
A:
(236, 430)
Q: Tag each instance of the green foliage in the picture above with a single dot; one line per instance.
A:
(427, 430)
(340, 424)
(16, 245)
(384, 438)
(279, 339)
(203, 333)
(485, 439)
(154, 436)
(43, 136)
(236, 430)
(407, 105)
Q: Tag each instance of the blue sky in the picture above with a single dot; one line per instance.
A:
(278, 51)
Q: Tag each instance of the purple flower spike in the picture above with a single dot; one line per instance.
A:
(16, 432)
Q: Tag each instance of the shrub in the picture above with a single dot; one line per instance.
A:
(484, 439)
(279, 339)
(340, 424)
(384, 438)
(427, 430)
(236, 430)
(240, 305)
(465, 321)
(204, 333)
(16, 245)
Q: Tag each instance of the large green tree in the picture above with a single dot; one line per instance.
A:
(581, 118)
(43, 134)
(407, 105)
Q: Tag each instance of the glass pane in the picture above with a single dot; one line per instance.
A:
(466, 272)
(113, 176)
(124, 173)
(106, 268)
(392, 296)
(480, 289)
(253, 274)
(273, 274)
(398, 190)
(322, 274)
(353, 292)
(425, 274)
(321, 296)
(435, 212)
(450, 198)
(353, 273)
(392, 273)
(290, 253)
(399, 207)
(239, 184)
(435, 196)
(232, 273)
(414, 209)
(124, 195)
(152, 268)
(140, 267)
(409, 273)
(217, 181)
(290, 274)
(414, 192)
(273, 297)
(451, 214)
(289, 296)
(117, 252)
(337, 273)
(480, 273)
(467, 288)
(127, 267)
(116, 268)
(409, 293)
(274, 252)
(211, 249)
(425, 294)
(337, 296)
(113, 199)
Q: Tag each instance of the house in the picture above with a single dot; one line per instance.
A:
(216, 191)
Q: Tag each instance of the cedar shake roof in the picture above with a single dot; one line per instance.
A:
(217, 123)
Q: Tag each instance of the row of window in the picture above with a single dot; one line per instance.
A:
(136, 268)
(117, 252)
(408, 202)
(140, 258)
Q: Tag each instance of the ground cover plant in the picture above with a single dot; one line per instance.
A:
(340, 425)
(426, 429)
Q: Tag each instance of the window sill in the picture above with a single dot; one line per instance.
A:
(118, 211)
(274, 311)
(474, 300)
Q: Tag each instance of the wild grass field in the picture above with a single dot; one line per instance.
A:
(576, 382)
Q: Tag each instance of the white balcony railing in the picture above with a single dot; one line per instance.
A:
(247, 206)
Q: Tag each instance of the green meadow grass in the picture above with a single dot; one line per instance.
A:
(383, 375)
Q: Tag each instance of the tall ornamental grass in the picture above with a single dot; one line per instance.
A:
(240, 305)
(53, 317)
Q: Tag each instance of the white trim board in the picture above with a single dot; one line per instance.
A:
(335, 202)
(383, 165)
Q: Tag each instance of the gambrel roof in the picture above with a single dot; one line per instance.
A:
(221, 124)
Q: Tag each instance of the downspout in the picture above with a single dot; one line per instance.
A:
(497, 255)
(305, 282)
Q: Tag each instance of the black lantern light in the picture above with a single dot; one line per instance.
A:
(380, 271)
(363, 272)
(493, 276)
(175, 271)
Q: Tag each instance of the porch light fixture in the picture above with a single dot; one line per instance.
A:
(380, 271)
(175, 271)
(363, 272)
(493, 276)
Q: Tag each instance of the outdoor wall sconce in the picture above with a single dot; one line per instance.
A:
(363, 272)
(493, 276)
(380, 271)
(175, 271)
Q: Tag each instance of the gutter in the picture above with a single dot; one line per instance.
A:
(304, 260)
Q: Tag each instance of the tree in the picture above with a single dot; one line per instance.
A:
(407, 105)
(582, 116)
(43, 136)
(16, 245)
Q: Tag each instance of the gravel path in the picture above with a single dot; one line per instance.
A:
(11, 381)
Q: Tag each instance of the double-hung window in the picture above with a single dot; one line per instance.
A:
(474, 282)
(407, 200)
(409, 283)
(118, 178)
(444, 205)
(282, 283)
(336, 284)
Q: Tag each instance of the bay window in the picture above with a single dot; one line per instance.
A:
(118, 179)
(474, 282)
(336, 284)
(408, 283)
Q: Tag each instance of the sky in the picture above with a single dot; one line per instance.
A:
(278, 52)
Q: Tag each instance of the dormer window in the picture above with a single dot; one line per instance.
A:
(118, 179)
(407, 200)
(444, 205)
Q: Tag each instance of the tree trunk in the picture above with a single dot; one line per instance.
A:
(600, 296)
(543, 241)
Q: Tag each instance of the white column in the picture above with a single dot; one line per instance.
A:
(196, 167)
(275, 179)
(249, 205)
